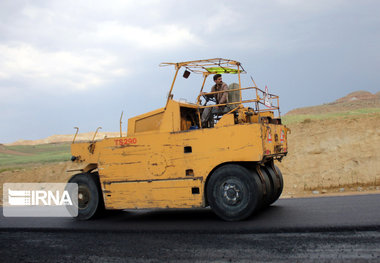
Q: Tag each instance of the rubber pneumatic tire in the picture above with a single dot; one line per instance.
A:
(270, 190)
(233, 192)
(278, 182)
(281, 181)
(89, 191)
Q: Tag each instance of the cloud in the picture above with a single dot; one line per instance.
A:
(158, 37)
(48, 46)
(53, 70)
(55, 53)
(224, 18)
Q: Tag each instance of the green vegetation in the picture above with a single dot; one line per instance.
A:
(26, 154)
(289, 119)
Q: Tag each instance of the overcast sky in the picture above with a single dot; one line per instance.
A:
(80, 63)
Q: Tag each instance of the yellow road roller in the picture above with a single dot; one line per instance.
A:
(218, 151)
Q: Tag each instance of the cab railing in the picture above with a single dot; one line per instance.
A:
(259, 101)
(264, 101)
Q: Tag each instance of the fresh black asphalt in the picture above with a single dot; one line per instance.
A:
(361, 212)
(324, 229)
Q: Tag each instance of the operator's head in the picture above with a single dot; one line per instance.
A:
(218, 79)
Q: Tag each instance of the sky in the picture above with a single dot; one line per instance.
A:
(81, 63)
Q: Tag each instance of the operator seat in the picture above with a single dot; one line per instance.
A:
(233, 96)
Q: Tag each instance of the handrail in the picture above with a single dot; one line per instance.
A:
(259, 100)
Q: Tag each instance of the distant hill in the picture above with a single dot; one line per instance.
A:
(67, 138)
(353, 101)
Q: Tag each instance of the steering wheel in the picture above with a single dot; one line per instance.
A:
(208, 98)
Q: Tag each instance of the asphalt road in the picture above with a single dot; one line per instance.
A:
(360, 212)
(324, 229)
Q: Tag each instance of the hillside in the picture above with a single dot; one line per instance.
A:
(333, 155)
(9, 151)
(357, 100)
(335, 146)
(24, 155)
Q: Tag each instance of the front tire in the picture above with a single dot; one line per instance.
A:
(234, 193)
(90, 201)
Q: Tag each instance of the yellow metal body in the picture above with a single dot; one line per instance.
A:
(164, 162)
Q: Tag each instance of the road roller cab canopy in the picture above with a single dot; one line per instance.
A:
(263, 101)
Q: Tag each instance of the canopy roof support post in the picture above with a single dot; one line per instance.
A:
(199, 101)
(170, 92)
(238, 68)
(204, 81)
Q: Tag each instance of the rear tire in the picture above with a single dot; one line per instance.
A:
(90, 201)
(281, 181)
(270, 190)
(234, 193)
(278, 183)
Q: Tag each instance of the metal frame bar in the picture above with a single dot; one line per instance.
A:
(200, 66)
(171, 88)
(257, 100)
(198, 102)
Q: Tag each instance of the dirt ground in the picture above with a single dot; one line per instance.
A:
(335, 156)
